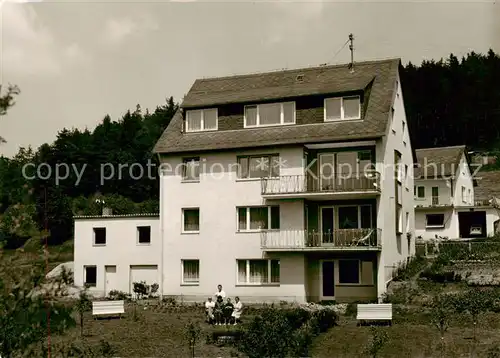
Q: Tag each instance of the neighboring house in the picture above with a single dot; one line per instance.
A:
(488, 191)
(445, 202)
(256, 193)
(113, 251)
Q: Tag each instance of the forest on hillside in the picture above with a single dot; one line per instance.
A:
(448, 102)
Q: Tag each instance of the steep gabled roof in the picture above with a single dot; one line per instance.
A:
(379, 76)
(438, 162)
(488, 185)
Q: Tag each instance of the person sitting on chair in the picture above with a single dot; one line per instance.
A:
(218, 311)
(228, 311)
(238, 307)
(209, 310)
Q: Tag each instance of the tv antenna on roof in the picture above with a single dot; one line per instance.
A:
(351, 48)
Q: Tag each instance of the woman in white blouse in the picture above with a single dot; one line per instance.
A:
(238, 307)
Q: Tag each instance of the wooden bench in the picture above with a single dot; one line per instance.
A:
(108, 308)
(374, 312)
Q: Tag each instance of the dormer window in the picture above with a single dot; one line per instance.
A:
(201, 120)
(342, 108)
(269, 114)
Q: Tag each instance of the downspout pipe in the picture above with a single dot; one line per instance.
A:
(162, 239)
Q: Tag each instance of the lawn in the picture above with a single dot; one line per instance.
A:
(159, 330)
(160, 333)
(156, 333)
(417, 338)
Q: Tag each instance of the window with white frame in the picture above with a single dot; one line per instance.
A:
(349, 271)
(393, 124)
(90, 276)
(258, 272)
(407, 222)
(99, 236)
(406, 176)
(340, 108)
(201, 120)
(191, 220)
(464, 199)
(258, 218)
(269, 114)
(399, 219)
(258, 166)
(434, 220)
(420, 192)
(191, 169)
(144, 235)
(355, 217)
(190, 272)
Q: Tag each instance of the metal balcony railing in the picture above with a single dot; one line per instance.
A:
(340, 238)
(294, 184)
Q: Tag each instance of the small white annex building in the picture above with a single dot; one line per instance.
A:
(445, 201)
(113, 251)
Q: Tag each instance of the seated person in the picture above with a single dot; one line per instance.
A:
(228, 311)
(209, 310)
(218, 311)
(238, 307)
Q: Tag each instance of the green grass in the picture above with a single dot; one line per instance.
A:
(161, 334)
(154, 334)
(411, 339)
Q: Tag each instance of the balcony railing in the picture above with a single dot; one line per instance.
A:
(336, 239)
(435, 200)
(293, 184)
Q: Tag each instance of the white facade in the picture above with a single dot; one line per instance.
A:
(456, 190)
(123, 257)
(214, 252)
(446, 208)
(397, 138)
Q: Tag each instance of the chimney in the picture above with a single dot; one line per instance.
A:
(107, 211)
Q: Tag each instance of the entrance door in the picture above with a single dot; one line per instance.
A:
(327, 172)
(110, 279)
(327, 280)
(327, 224)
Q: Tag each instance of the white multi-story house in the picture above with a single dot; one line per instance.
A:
(292, 185)
(113, 251)
(445, 204)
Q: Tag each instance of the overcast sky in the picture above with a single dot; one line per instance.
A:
(77, 61)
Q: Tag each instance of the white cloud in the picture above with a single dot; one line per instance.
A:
(117, 31)
(29, 48)
(292, 17)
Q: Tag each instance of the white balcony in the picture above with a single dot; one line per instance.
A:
(355, 185)
(336, 240)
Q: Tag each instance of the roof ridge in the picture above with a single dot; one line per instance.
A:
(114, 216)
(447, 147)
(309, 68)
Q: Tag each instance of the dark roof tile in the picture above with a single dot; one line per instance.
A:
(438, 162)
(380, 75)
